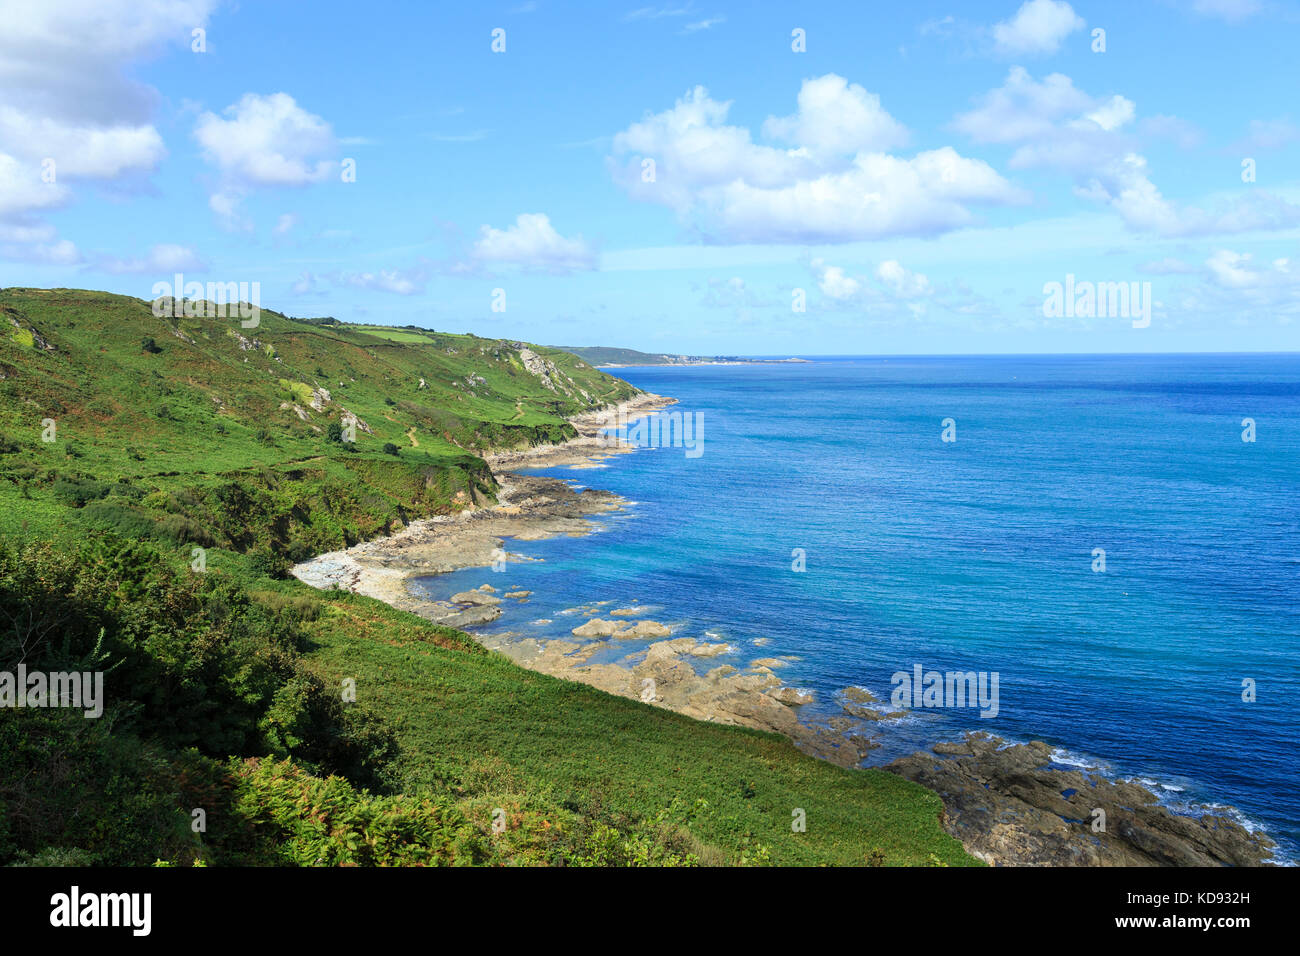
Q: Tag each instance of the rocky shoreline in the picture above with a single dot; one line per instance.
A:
(1007, 803)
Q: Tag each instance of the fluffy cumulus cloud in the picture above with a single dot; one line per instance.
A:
(834, 182)
(68, 109)
(1038, 27)
(1054, 125)
(264, 141)
(533, 243)
(267, 141)
(834, 117)
(834, 282)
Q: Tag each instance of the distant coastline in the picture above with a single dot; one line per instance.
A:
(709, 361)
(609, 357)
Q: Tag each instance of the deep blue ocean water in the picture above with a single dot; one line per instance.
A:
(978, 554)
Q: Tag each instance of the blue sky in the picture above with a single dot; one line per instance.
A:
(917, 174)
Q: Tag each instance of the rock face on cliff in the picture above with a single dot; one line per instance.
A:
(549, 374)
(1009, 807)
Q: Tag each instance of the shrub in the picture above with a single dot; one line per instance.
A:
(77, 491)
(72, 792)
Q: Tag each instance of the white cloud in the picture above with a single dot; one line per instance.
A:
(896, 291)
(1234, 284)
(267, 141)
(1232, 269)
(902, 282)
(533, 243)
(706, 24)
(263, 141)
(837, 117)
(836, 186)
(66, 96)
(1038, 27)
(1055, 125)
(61, 252)
(162, 258)
(307, 283)
(225, 205)
(1024, 109)
(1112, 114)
(656, 13)
(81, 150)
(285, 224)
(69, 62)
(22, 193)
(833, 281)
(385, 280)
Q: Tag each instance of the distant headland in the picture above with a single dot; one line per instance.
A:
(605, 357)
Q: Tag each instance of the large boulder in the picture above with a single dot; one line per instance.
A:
(475, 597)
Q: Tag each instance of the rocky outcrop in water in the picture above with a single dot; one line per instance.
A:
(1009, 806)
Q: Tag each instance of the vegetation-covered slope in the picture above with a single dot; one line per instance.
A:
(223, 677)
(198, 424)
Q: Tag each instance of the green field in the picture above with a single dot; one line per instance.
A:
(191, 462)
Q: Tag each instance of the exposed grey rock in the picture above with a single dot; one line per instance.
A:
(1009, 807)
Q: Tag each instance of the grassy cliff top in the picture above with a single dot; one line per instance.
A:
(181, 437)
(110, 373)
(95, 387)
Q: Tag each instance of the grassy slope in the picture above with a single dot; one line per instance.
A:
(209, 408)
(478, 727)
(190, 444)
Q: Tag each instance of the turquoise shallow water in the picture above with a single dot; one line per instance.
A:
(977, 555)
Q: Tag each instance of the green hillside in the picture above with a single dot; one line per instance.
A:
(161, 405)
(192, 461)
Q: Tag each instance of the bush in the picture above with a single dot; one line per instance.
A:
(390, 448)
(72, 792)
(77, 491)
(267, 562)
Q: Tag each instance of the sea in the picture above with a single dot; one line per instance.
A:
(1116, 538)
